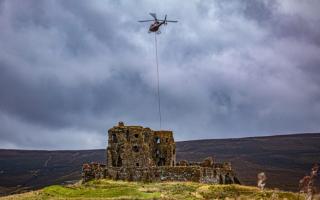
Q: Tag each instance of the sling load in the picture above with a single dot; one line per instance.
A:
(154, 28)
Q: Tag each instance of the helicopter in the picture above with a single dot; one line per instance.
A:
(154, 27)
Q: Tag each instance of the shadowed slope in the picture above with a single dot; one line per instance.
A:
(285, 159)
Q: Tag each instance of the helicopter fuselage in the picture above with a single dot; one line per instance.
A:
(155, 26)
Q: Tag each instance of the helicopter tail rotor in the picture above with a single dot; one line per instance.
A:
(165, 20)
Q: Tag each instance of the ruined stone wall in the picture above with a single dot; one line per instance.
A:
(93, 171)
(167, 173)
(147, 174)
(135, 153)
(180, 174)
(218, 176)
(151, 174)
(135, 146)
(129, 146)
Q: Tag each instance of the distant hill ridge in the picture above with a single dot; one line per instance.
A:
(284, 158)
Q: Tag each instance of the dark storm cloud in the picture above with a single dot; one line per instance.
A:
(72, 69)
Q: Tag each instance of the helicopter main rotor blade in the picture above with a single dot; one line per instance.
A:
(154, 15)
(174, 21)
(149, 20)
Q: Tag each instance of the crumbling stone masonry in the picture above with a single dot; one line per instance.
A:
(135, 153)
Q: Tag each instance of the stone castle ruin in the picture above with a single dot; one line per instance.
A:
(135, 153)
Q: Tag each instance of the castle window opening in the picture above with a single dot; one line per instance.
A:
(127, 135)
(135, 148)
(167, 139)
(137, 164)
(114, 162)
(146, 137)
(114, 138)
(157, 140)
(162, 162)
(136, 135)
(119, 164)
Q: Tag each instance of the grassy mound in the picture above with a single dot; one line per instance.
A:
(107, 189)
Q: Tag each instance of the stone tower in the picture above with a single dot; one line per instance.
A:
(136, 146)
(164, 148)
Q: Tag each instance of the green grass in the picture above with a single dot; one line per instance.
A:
(108, 189)
(101, 189)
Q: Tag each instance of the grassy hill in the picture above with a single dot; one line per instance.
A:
(108, 189)
(284, 158)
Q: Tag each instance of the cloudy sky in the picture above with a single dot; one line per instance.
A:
(69, 70)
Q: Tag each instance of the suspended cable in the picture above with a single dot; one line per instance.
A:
(158, 79)
(154, 27)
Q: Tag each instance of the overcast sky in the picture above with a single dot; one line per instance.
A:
(70, 70)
